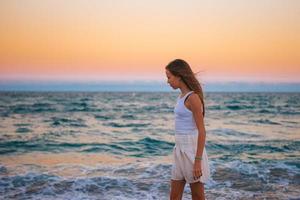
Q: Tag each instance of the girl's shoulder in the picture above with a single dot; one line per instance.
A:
(191, 95)
(194, 100)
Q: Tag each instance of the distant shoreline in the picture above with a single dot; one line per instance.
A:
(80, 91)
(140, 86)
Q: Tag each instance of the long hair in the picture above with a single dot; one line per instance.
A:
(182, 69)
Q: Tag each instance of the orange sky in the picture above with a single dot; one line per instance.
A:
(255, 40)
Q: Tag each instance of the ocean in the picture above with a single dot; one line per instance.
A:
(118, 145)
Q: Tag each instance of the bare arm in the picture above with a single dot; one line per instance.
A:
(196, 108)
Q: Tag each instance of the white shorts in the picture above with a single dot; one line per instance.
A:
(184, 153)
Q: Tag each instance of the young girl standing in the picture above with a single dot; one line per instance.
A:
(190, 159)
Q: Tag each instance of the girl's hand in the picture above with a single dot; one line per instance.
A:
(197, 172)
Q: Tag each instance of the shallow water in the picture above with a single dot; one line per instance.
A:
(110, 145)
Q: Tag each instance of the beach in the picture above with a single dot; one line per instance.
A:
(118, 145)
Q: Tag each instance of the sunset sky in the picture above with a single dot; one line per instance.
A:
(227, 40)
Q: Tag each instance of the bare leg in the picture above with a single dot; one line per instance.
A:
(197, 191)
(177, 187)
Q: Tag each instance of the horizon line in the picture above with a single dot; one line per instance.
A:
(150, 86)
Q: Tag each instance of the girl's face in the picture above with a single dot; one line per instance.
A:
(173, 81)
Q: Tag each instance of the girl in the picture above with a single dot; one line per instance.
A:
(190, 159)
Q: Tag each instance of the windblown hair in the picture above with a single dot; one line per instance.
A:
(182, 69)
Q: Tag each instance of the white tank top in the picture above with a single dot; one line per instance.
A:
(184, 119)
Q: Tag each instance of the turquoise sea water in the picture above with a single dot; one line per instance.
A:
(117, 145)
